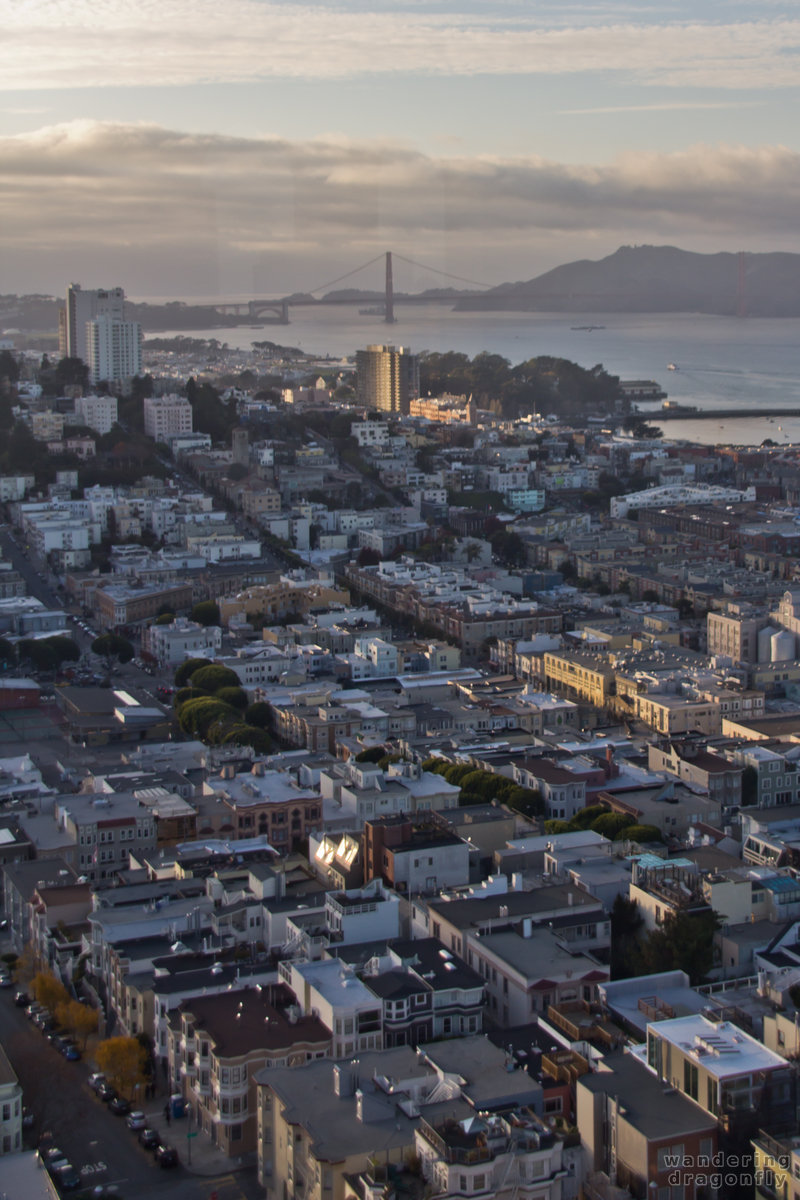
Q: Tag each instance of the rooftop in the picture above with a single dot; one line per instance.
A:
(657, 1112)
(722, 1048)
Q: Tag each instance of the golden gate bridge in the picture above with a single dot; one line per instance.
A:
(276, 311)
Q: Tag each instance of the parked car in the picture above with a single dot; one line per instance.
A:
(53, 1158)
(166, 1156)
(150, 1138)
(67, 1178)
(136, 1120)
(33, 1009)
(106, 1092)
(71, 1053)
(119, 1106)
(96, 1080)
(22, 999)
(5, 980)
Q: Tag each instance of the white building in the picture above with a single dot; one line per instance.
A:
(113, 349)
(10, 1108)
(330, 989)
(98, 412)
(166, 416)
(171, 644)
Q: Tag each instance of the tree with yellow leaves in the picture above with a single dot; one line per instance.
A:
(78, 1018)
(48, 990)
(122, 1060)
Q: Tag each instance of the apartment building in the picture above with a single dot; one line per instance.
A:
(218, 1044)
(651, 1138)
(167, 416)
(509, 1156)
(98, 412)
(579, 676)
(262, 802)
(387, 378)
(728, 1073)
(106, 830)
(113, 349)
(170, 644)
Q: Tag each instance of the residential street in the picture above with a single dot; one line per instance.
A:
(98, 1144)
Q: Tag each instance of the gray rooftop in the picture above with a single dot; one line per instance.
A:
(653, 1110)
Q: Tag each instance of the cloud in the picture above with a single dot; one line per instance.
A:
(166, 212)
(111, 43)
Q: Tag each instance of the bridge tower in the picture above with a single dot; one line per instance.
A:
(389, 310)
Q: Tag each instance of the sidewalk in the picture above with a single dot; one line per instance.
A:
(206, 1158)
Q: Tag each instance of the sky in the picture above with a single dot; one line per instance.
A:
(192, 148)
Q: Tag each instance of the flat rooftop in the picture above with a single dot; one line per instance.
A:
(723, 1049)
(657, 1113)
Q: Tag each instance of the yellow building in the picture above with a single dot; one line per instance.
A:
(579, 676)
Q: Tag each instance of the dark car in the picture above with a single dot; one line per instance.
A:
(106, 1092)
(150, 1139)
(119, 1106)
(71, 1052)
(22, 999)
(67, 1178)
(167, 1156)
(6, 981)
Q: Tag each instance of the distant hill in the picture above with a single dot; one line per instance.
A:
(655, 279)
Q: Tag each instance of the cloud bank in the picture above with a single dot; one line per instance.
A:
(169, 213)
(111, 43)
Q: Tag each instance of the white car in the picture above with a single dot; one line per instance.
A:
(136, 1120)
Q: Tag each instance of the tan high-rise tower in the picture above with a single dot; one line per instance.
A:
(387, 378)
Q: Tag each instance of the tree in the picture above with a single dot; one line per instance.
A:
(197, 716)
(47, 654)
(206, 612)
(123, 1061)
(626, 922)
(249, 735)
(640, 833)
(259, 714)
(79, 1019)
(9, 368)
(235, 696)
(48, 990)
(165, 619)
(611, 824)
(184, 672)
(111, 645)
(213, 677)
(685, 942)
(70, 372)
(373, 754)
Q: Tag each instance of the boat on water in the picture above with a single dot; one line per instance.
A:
(586, 328)
(671, 367)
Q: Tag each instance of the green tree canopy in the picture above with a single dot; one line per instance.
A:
(187, 668)
(258, 714)
(213, 677)
(235, 696)
(47, 654)
(112, 645)
(684, 942)
(196, 716)
(206, 612)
